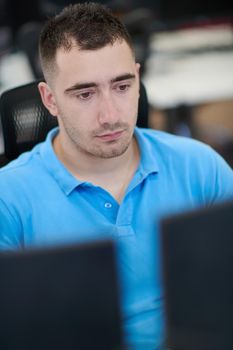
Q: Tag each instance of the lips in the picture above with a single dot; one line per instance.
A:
(110, 136)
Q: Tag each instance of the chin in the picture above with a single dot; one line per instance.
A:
(110, 153)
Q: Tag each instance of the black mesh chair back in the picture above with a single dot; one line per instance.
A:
(26, 122)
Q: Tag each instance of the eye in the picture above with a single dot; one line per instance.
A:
(122, 87)
(85, 95)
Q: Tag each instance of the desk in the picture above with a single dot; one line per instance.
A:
(189, 67)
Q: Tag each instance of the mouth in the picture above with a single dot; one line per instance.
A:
(110, 136)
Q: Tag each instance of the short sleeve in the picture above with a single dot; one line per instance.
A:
(222, 179)
(10, 229)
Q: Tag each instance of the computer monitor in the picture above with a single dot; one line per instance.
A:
(197, 260)
(61, 298)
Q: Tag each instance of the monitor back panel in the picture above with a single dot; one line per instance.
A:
(61, 298)
(197, 254)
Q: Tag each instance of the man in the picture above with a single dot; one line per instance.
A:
(97, 175)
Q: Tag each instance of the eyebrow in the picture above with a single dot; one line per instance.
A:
(80, 86)
(123, 77)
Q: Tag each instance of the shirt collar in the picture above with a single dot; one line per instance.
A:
(68, 182)
(148, 163)
(64, 178)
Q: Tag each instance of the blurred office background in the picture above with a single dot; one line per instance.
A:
(185, 49)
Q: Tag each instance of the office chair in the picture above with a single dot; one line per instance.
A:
(26, 122)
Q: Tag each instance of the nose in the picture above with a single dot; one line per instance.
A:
(107, 110)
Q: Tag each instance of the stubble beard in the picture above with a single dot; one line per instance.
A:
(97, 149)
(111, 152)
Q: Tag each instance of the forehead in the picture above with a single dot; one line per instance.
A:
(94, 65)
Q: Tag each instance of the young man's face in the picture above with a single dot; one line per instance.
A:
(95, 97)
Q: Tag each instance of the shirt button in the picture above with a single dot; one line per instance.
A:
(108, 205)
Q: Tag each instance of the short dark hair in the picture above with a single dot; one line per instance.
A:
(91, 25)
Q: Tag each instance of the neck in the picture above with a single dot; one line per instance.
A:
(112, 174)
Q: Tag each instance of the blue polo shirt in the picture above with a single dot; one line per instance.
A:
(41, 203)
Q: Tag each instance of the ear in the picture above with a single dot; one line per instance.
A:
(138, 66)
(48, 98)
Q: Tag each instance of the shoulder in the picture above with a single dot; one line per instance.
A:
(168, 144)
(188, 161)
(29, 161)
(24, 161)
(20, 172)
